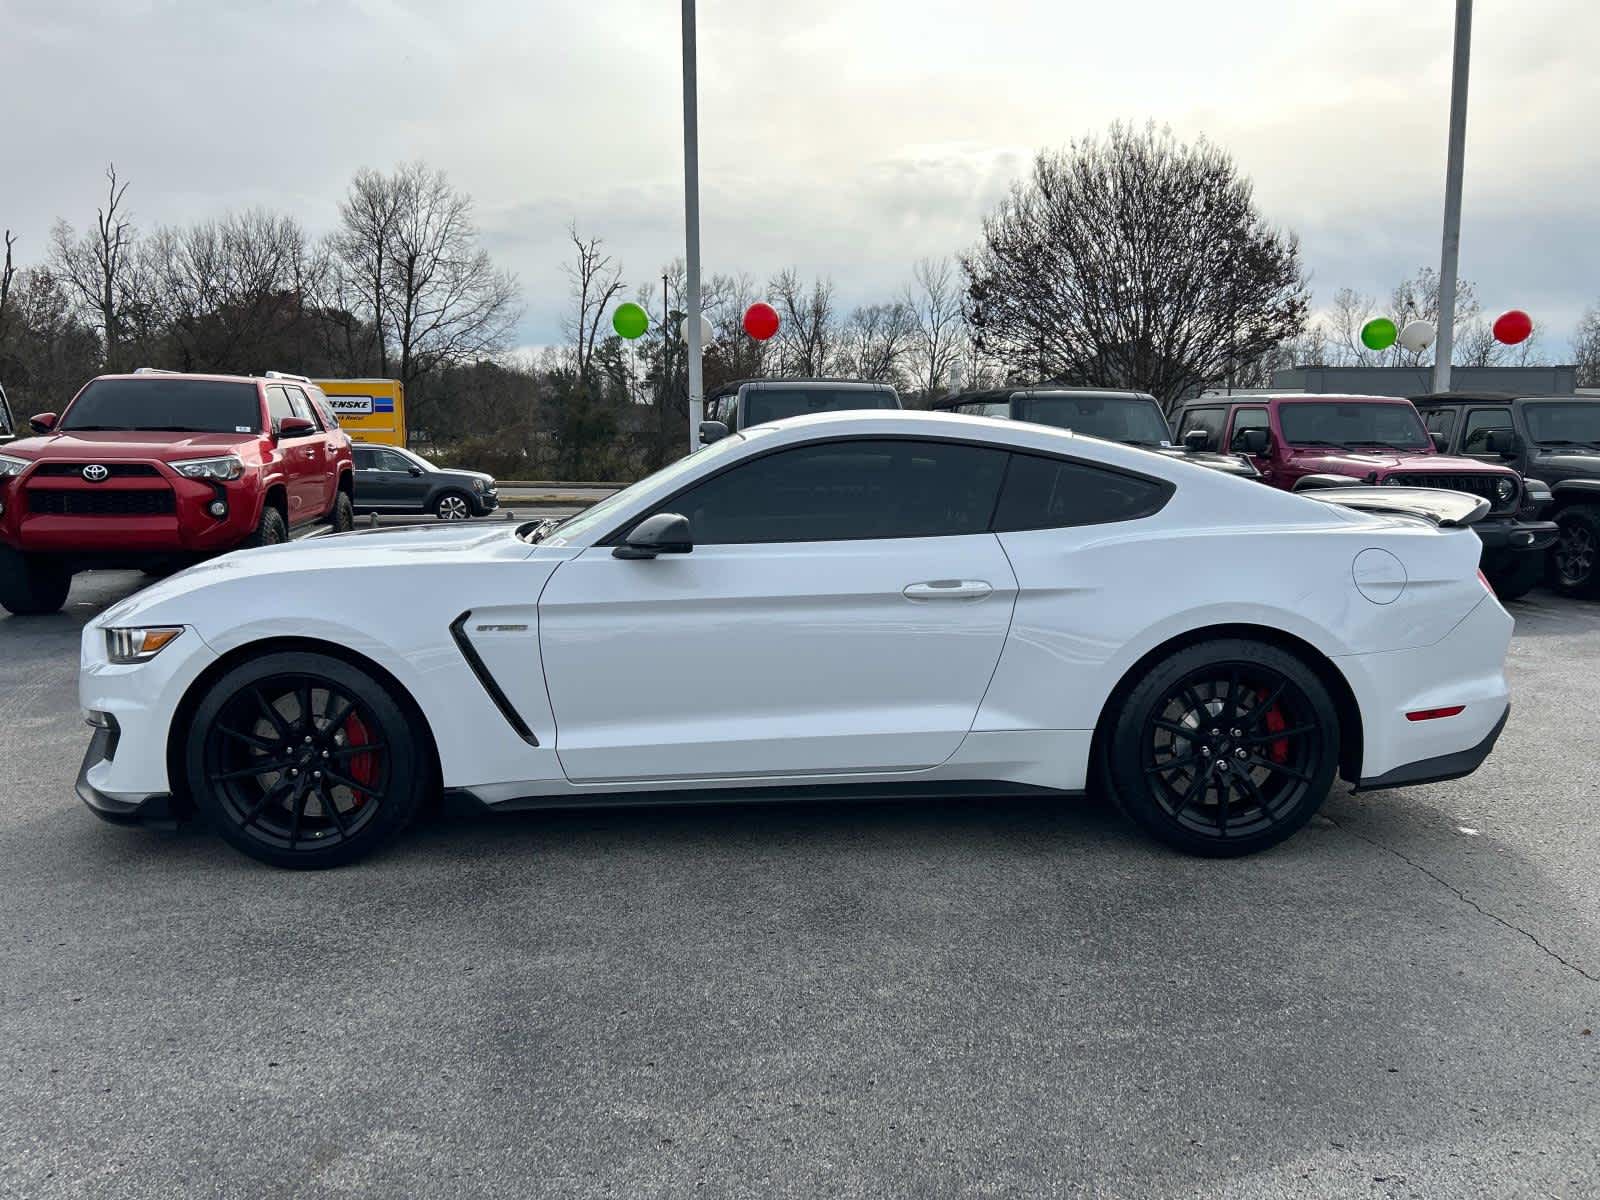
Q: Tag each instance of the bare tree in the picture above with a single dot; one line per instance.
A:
(7, 274)
(1586, 347)
(807, 334)
(1135, 262)
(935, 304)
(95, 268)
(414, 272)
(596, 282)
(876, 340)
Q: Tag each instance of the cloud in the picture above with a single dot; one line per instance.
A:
(842, 137)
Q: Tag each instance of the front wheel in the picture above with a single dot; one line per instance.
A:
(1575, 558)
(303, 760)
(343, 517)
(452, 506)
(1224, 748)
(32, 584)
(270, 530)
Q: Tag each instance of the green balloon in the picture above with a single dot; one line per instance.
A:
(630, 321)
(1379, 333)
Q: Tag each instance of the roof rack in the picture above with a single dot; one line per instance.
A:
(287, 375)
(155, 371)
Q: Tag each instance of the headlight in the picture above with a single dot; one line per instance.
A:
(139, 645)
(1505, 489)
(225, 467)
(477, 485)
(10, 466)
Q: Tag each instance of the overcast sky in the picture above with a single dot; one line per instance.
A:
(842, 137)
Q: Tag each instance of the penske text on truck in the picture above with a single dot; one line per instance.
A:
(370, 410)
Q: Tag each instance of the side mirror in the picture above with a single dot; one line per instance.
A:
(42, 422)
(1251, 441)
(1440, 442)
(295, 427)
(413, 469)
(664, 533)
(1503, 442)
(1196, 440)
(712, 431)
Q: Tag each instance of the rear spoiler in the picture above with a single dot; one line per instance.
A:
(1446, 509)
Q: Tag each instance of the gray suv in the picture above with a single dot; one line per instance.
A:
(746, 402)
(1554, 441)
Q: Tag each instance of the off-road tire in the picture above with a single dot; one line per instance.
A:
(32, 584)
(270, 530)
(1579, 540)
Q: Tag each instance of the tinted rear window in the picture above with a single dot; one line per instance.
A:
(1050, 493)
(773, 404)
(161, 403)
(1114, 418)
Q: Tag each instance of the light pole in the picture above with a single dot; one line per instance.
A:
(1451, 250)
(691, 214)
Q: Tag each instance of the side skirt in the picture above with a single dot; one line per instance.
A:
(779, 794)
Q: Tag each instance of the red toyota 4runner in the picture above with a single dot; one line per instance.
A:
(155, 470)
(1301, 440)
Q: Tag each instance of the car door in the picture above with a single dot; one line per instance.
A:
(842, 611)
(318, 480)
(369, 478)
(292, 453)
(1475, 430)
(1244, 419)
(1441, 421)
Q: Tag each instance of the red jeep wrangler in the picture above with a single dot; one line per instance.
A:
(155, 470)
(1300, 440)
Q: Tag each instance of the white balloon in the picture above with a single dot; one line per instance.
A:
(1417, 336)
(707, 333)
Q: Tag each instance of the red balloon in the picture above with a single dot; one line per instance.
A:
(1513, 327)
(761, 321)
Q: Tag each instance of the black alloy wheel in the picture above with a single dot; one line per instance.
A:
(302, 760)
(1226, 748)
(1576, 554)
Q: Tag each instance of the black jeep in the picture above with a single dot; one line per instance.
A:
(746, 402)
(1132, 418)
(1555, 442)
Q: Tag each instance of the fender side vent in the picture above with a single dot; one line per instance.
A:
(458, 631)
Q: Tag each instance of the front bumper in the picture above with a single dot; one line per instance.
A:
(1504, 538)
(488, 501)
(154, 810)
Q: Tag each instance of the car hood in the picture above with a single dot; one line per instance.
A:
(1568, 463)
(446, 546)
(461, 476)
(1340, 462)
(112, 445)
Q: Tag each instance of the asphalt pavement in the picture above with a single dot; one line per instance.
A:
(1016, 998)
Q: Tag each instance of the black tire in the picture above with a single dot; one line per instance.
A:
(1516, 580)
(273, 760)
(270, 530)
(32, 585)
(1574, 561)
(452, 506)
(1259, 710)
(342, 519)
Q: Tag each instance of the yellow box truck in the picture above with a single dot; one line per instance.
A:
(370, 410)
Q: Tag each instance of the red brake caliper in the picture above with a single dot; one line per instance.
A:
(363, 768)
(1277, 750)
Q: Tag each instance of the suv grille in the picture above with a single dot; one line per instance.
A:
(1477, 485)
(116, 470)
(85, 502)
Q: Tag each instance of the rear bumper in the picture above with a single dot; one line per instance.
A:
(1437, 770)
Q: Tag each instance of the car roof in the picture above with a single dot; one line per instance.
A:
(859, 385)
(1293, 398)
(205, 376)
(1437, 398)
(999, 395)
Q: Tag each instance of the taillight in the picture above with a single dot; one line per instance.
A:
(1484, 579)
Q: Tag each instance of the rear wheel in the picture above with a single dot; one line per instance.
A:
(1574, 563)
(452, 506)
(343, 517)
(32, 584)
(1225, 748)
(304, 760)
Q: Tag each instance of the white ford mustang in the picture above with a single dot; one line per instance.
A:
(850, 604)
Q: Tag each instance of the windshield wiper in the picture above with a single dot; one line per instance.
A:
(1569, 442)
(1384, 445)
(97, 429)
(543, 530)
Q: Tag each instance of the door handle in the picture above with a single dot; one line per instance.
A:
(947, 589)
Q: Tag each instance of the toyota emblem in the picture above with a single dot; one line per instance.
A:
(95, 473)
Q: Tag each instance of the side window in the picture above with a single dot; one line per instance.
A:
(1050, 493)
(987, 408)
(324, 410)
(1246, 418)
(278, 406)
(366, 458)
(1474, 434)
(839, 491)
(302, 407)
(1441, 420)
(1209, 419)
(388, 460)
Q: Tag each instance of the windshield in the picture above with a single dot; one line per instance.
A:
(161, 403)
(773, 404)
(1134, 420)
(602, 512)
(1353, 426)
(1564, 422)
